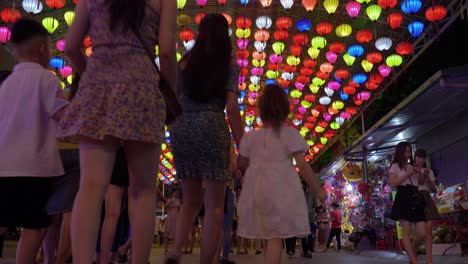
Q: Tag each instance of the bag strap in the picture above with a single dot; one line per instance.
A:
(147, 50)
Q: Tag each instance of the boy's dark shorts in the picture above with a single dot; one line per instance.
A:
(23, 201)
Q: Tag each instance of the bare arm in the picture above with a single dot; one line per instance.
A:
(309, 176)
(395, 180)
(75, 36)
(167, 51)
(233, 113)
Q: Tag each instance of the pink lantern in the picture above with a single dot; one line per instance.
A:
(275, 58)
(363, 95)
(334, 85)
(253, 95)
(299, 86)
(385, 70)
(353, 8)
(331, 56)
(294, 101)
(345, 115)
(257, 71)
(327, 116)
(201, 3)
(5, 35)
(242, 43)
(66, 71)
(302, 110)
(60, 45)
(241, 79)
(242, 63)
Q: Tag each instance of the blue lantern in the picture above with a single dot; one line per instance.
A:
(411, 6)
(244, 2)
(241, 107)
(242, 94)
(57, 63)
(343, 96)
(355, 50)
(416, 28)
(286, 91)
(270, 82)
(360, 78)
(304, 24)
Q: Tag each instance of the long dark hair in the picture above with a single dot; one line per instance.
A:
(127, 13)
(273, 106)
(399, 156)
(207, 71)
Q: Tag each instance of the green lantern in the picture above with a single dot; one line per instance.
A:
(243, 33)
(319, 129)
(366, 65)
(254, 88)
(258, 63)
(394, 60)
(323, 140)
(343, 30)
(349, 59)
(272, 74)
(373, 12)
(306, 104)
(181, 4)
(293, 61)
(69, 16)
(310, 142)
(179, 56)
(313, 52)
(334, 126)
(319, 42)
(50, 23)
(278, 47)
(296, 93)
(317, 81)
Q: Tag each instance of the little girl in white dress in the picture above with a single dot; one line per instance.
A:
(272, 205)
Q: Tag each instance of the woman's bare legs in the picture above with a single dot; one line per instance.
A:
(51, 239)
(192, 192)
(428, 238)
(65, 239)
(142, 159)
(274, 248)
(406, 238)
(419, 234)
(96, 162)
(113, 203)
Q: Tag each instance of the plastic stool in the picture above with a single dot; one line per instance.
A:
(380, 245)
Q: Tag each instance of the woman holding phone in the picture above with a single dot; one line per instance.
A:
(426, 185)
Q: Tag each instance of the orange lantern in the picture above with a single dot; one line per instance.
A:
(242, 86)
(284, 23)
(243, 22)
(262, 35)
(186, 34)
(342, 74)
(89, 51)
(9, 15)
(296, 50)
(333, 111)
(349, 90)
(436, 13)
(394, 20)
(404, 48)
(310, 98)
(326, 67)
(265, 3)
(322, 75)
(324, 28)
(55, 4)
(337, 47)
(309, 5)
(315, 113)
(364, 35)
(309, 63)
(300, 39)
(259, 56)
(228, 18)
(200, 16)
(281, 34)
(306, 71)
(374, 57)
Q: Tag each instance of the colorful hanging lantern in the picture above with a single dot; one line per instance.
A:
(324, 28)
(242, 43)
(343, 30)
(275, 59)
(284, 23)
(243, 33)
(385, 70)
(349, 59)
(222, 2)
(57, 63)
(50, 23)
(342, 74)
(404, 48)
(263, 22)
(325, 100)
(318, 82)
(260, 46)
(241, 22)
(326, 67)
(69, 16)
(262, 35)
(184, 20)
(244, 2)
(55, 4)
(10, 15)
(331, 6)
(309, 63)
(309, 5)
(319, 42)
(66, 71)
(32, 6)
(374, 57)
(360, 78)
(373, 12)
(60, 45)
(411, 6)
(201, 3)
(181, 4)
(334, 85)
(281, 34)
(353, 8)
(394, 60)
(394, 20)
(364, 36)
(228, 18)
(87, 41)
(337, 47)
(349, 90)
(313, 52)
(355, 50)
(331, 57)
(366, 65)
(295, 50)
(265, 3)
(201, 15)
(300, 39)
(304, 24)
(278, 47)
(436, 13)
(287, 4)
(416, 28)
(383, 43)
(338, 105)
(5, 35)
(186, 34)
(306, 71)
(363, 95)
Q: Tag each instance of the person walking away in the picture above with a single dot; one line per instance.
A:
(408, 206)
(291, 246)
(31, 103)
(204, 99)
(323, 221)
(272, 205)
(426, 185)
(336, 218)
(118, 102)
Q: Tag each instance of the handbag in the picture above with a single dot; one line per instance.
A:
(173, 107)
(417, 199)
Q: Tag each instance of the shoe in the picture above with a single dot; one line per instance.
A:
(258, 252)
(172, 260)
(308, 255)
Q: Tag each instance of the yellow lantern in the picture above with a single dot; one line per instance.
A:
(293, 61)
(394, 60)
(310, 142)
(343, 30)
(243, 33)
(319, 42)
(366, 65)
(314, 88)
(156, 50)
(258, 63)
(373, 12)
(62, 84)
(319, 129)
(313, 52)
(181, 4)
(70, 79)
(363, 1)
(183, 20)
(254, 88)
(334, 126)
(272, 74)
(331, 5)
(178, 56)
(349, 59)
(338, 105)
(317, 81)
(278, 47)
(69, 17)
(306, 104)
(50, 23)
(296, 93)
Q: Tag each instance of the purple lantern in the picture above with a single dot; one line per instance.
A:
(242, 43)
(345, 115)
(257, 71)
(242, 63)
(331, 57)
(66, 71)
(385, 70)
(275, 58)
(363, 95)
(294, 101)
(327, 116)
(302, 110)
(60, 45)
(334, 85)
(299, 86)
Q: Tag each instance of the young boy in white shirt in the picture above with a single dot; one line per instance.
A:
(31, 100)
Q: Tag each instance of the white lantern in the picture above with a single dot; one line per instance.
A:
(263, 22)
(287, 4)
(189, 44)
(329, 91)
(383, 43)
(157, 62)
(325, 100)
(340, 120)
(297, 122)
(230, 32)
(255, 80)
(32, 6)
(260, 46)
(287, 76)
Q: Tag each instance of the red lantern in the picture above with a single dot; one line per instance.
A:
(309, 63)
(357, 101)
(306, 71)
(295, 50)
(342, 74)
(436, 13)
(309, 125)
(222, 2)
(349, 90)
(324, 28)
(9, 15)
(243, 22)
(284, 83)
(87, 41)
(300, 39)
(394, 20)
(303, 79)
(281, 34)
(310, 118)
(364, 35)
(242, 54)
(322, 75)
(371, 86)
(272, 66)
(374, 57)
(310, 98)
(376, 78)
(384, 4)
(244, 71)
(298, 116)
(352, 83)
(186, 34)
(404, 48)
(201, 15)
(351, 110)
(320, 108)
(337, 47)
(289, 68)
(284, 23)
(323, 124)
(55, 4)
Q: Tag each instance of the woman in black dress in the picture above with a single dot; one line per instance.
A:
(200, 137)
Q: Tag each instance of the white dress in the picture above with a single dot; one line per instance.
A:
(272, 202)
